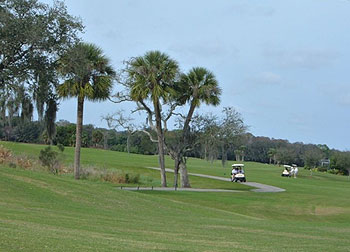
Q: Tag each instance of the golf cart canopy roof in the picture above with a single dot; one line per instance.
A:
(287, 166)
(238, 165)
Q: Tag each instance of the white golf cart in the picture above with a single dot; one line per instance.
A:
(287, 171)
(237, 174)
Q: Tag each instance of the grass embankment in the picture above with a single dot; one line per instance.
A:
(43, 212)
(123, 162)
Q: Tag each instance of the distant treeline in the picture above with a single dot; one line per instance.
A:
(247, 148)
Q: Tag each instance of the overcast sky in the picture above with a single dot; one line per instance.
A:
(284, 65)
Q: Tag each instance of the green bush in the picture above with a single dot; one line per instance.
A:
(60, 147)
(333, 171)
(118, 147)
(50, 159)
(132, 178)
(322, 169)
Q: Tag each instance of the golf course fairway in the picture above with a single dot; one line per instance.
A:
(40, 211)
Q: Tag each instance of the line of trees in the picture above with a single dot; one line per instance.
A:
(203, 135)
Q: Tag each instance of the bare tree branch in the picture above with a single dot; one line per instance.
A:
(150, 136)
(118, 120)
(180, 115)
(149, 113)
(119, 98)
(172, 108)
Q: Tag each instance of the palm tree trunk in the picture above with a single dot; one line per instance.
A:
(161, 160)
(79, 129)
(179, 165)
(161, 144)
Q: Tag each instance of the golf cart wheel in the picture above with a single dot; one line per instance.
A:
(244, 180)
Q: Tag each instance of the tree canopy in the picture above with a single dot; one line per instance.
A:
(33, 35)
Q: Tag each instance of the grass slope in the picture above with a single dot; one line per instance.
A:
(43, 212)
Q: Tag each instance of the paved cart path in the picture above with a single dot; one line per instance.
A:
(258, 187)
(176, 189)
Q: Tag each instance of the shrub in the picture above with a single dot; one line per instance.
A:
(50, 159)
(118, 147)
(24, 162)
(333, 171)
(5, 155)
(322, 169)
(12, 165)
(28, 132)
(133, 178)
(60, 147)
(115, 177)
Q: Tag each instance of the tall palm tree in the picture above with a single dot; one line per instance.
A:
(88, 75)
(198, 86)
(272, 155)
(150, 77)
(50, 118)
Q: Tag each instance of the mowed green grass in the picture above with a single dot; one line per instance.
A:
(121, 161)
(43, 212)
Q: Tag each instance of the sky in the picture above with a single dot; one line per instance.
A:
(284, 65)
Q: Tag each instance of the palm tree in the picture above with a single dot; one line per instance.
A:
(50, 118)
(89, 75)
(197, 86)
(272, 155)
(150, 78)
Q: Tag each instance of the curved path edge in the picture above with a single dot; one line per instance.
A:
(258, 187)
(176, 189)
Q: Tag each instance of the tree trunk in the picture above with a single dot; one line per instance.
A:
(237, 158)
(161, 148)
(162, 160)
(270, 161)
(105, 140)
(185, 182)
(3, 117)
(79, 129)
(223, 156)
(128, 144)
(176, 173)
